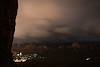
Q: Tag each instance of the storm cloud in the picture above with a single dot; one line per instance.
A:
(60, 18)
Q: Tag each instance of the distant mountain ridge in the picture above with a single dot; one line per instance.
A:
(57, 40)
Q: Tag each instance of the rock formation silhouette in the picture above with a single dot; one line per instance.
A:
(8, 12)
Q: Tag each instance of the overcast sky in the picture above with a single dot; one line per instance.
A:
(64, 18)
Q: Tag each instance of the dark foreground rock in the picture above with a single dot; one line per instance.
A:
(8, 12)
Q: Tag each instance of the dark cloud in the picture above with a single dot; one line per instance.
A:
(50, 19)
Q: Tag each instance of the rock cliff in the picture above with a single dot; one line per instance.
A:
(8, 12)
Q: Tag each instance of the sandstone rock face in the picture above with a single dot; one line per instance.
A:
(8, 12)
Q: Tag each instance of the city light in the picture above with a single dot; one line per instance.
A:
(19, 54)
(88, 59)
(16, 60)
(20, 60)
(35, 55)
(23, 58)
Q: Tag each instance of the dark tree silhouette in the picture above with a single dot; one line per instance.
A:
(8, 12)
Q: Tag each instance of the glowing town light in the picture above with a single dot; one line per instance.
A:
(88, 59)
(20, 60)
(35, 55)
(17, 60)
(23, 60)
(20, 54)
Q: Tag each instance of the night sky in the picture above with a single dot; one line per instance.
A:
(39, 20)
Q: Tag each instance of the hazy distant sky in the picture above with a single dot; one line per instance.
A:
(47, 18)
